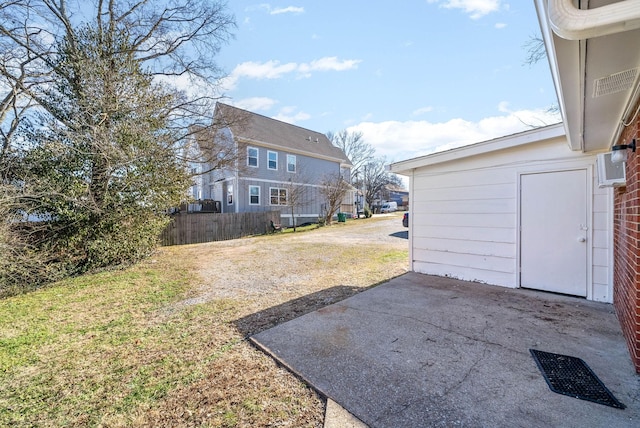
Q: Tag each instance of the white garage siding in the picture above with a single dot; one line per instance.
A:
(464, 211)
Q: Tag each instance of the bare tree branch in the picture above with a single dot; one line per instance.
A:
(333, 188)
(376, 177)
(352, 144)
(536, 50)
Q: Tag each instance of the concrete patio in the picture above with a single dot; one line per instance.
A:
(423, 351)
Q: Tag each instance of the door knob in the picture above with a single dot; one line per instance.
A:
(582, 239)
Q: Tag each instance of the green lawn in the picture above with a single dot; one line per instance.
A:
(93, 346)
(118, 349)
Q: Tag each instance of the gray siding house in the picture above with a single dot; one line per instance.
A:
(280, 167)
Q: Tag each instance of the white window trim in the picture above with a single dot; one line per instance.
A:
(279, 189)
(269, 152)
(257, 156)
(230, 195)
(295, 166)
(250, 195)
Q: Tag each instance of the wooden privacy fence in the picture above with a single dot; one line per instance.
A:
(196, 228)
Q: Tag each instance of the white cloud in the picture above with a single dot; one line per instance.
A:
(228, 83)
(329, 63)
(422, 110)
(274, 69)
(405, 140)
(193, 86)
(474, 8)
(256, 103)
(266, 70)
(503, 107)
(274, 11)
(288, 9)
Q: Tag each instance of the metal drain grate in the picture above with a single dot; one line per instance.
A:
(571, 376)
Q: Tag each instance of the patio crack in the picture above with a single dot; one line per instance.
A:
(458, 384)
(421, 321)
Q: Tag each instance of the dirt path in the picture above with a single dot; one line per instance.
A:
(287, 265)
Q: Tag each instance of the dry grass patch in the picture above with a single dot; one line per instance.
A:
(243, 387)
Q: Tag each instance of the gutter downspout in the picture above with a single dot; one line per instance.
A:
(571, 23)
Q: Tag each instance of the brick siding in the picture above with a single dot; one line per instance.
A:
(626, 230)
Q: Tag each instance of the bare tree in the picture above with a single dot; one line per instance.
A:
(298, 193)
(394, 180)
(24, 50)
(357, 150)
(92, 128)
(211, 148)
(375, 177)
(299, 190)
(333, 189)
(176, 39)
(214, 147)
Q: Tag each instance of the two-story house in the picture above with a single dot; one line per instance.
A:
(279, 166)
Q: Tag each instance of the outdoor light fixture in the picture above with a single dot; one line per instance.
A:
(619, 154)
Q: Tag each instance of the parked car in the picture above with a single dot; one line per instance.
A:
(389, 207)
(405, 220)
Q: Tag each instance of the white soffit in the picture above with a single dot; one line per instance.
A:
(595, 62)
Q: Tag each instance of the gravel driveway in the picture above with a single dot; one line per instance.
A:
(264, 271)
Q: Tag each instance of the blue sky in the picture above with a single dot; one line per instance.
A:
(415, 76)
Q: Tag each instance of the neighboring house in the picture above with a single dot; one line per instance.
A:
(396, 194)
(390, 193)
(527, 210)
(279, 166)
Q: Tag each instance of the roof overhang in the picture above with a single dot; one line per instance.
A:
(594, 54)
(516, 140)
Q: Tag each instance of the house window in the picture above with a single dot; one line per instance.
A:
(273, 160)
(230, 195)
(291, 163)
(254, 195)
(252, 156)
(278, 196)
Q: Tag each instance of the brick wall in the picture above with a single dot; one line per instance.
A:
(626, 266)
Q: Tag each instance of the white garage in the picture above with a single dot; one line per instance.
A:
(518, 211)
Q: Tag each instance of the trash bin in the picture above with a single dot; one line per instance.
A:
(342, 217)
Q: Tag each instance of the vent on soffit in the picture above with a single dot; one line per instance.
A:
(613, 83)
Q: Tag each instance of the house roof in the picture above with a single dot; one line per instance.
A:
(259, 130)
(594, 55)
(501, 143)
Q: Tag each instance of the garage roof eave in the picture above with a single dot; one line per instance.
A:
(527, 137)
